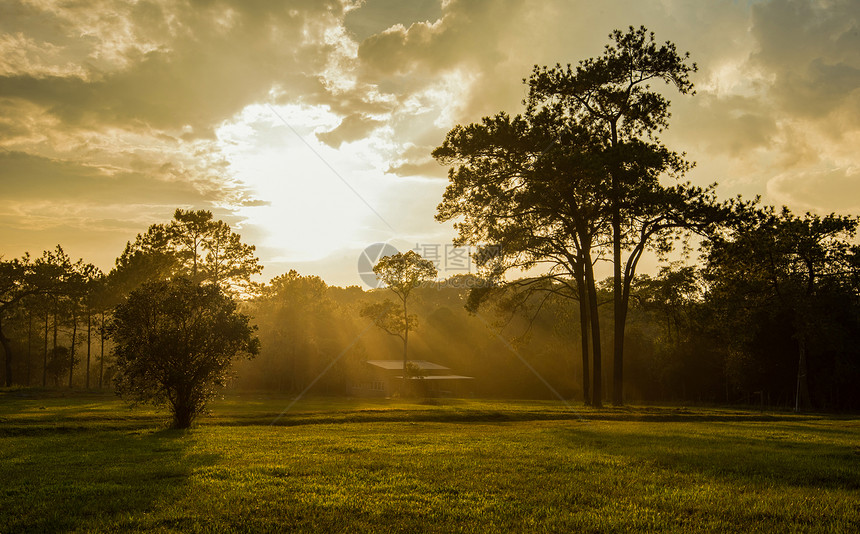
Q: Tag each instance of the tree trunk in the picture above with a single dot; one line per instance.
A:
(74, 339)
(405, 349)
(45, 355)
(102, 353)
(89, 330)
(183, 414)
(29, 346)
(618, 359)
(618, 312)
(597, 390)
(617, 305)
(801, 401)
(56, 327)
(7, 350)
(294, 372)
(584, 324)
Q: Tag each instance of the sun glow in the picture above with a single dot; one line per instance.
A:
(318, 199)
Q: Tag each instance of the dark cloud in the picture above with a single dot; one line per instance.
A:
(254, 203)
(375, 16)
(28, 179)
(183, 63)
(351, 128)
(417, 161)
(811, 54)
(466, 33)
(725, 126)
(96, 209)
(419, 167)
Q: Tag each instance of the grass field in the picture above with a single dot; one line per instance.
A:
(90, 463)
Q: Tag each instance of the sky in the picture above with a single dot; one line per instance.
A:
(308, 124)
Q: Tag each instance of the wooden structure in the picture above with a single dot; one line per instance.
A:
(385, 378)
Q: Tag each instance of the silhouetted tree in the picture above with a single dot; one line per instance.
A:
(795, 268)
(194, 246)
(94, 302)
(13, 289)
(686, 362)
(59, 361)
(670, 296)
(401, 273)
(577, 174)
(610, 97)
(528, 191)
(22, 279)
(175, 341)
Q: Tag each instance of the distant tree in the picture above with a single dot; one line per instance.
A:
(60, 359)
(79, 283)
(56, 266)
(670, 296)
(149, 258)
(193, 246)
(174, 342)
(22, 279)
(797, 269)
(94, 304)
(13, 289)
(670, 314)
(401, 273)
(388, 316)
(296, 319)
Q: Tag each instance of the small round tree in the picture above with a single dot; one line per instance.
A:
(401, 273)
(175, 341)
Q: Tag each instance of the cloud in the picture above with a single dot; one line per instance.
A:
(778, 103)
(734, 125)
(375, 16)
(352, 128)
(821, 190)
(29, 178)
(23, 54)
(443, 71)
(172, 65)
(417, 161)
(112, 113)
(108, 109)
(811, 52)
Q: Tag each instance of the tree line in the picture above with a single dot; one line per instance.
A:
(727, 330)
(63, 305)
(168, 309)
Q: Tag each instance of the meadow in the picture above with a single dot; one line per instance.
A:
(90, 463)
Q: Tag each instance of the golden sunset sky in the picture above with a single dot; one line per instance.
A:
(308, 124)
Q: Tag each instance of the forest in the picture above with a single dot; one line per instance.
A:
(731, 330)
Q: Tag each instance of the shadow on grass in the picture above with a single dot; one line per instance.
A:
(743, 455)
(430, 415)
(75, 418)
(96, 480)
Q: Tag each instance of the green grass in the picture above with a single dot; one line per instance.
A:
(89, 463)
